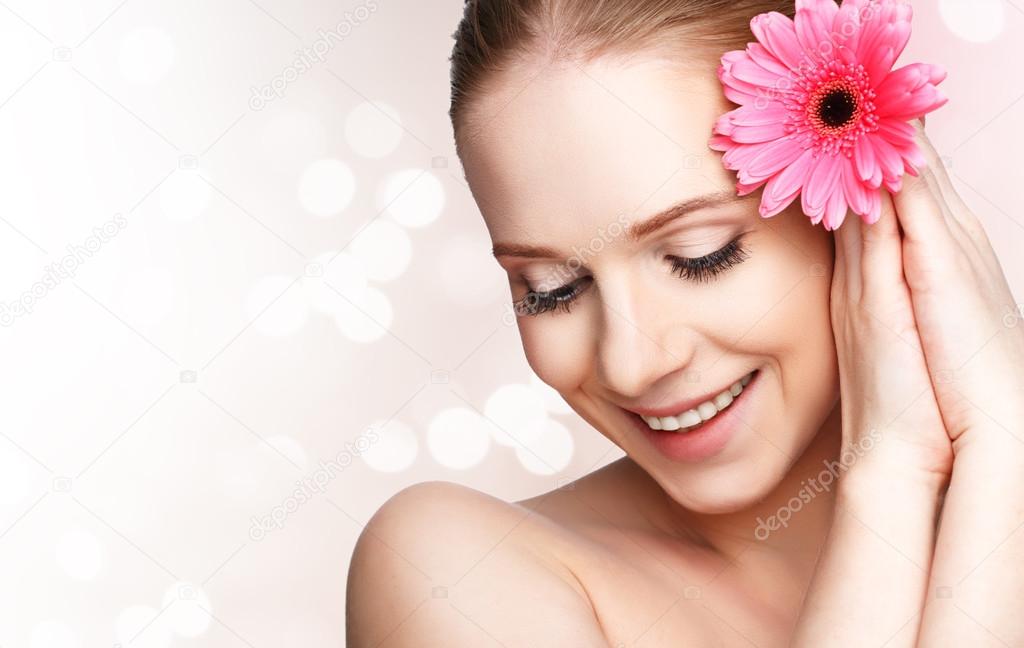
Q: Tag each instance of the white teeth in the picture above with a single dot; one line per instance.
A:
(706, 410)
(722, 400)
(688, 418)
(703, 412)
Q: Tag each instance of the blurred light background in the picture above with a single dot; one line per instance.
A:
(246, 296)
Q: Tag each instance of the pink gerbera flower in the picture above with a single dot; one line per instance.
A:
(822, 113)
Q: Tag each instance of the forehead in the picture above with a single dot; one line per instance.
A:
(550, 149)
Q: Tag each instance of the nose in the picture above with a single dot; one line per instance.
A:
(640, 341)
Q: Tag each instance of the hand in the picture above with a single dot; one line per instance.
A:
(883, 376)
(971, 330)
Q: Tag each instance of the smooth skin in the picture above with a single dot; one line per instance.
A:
(889, 343)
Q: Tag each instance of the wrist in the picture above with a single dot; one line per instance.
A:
(995, 452)
(1005, 444)
(888, 480)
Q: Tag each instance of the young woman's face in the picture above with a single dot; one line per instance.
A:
(569, 165)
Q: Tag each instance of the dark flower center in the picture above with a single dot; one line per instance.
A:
(837, 107)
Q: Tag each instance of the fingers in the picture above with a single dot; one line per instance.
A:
(871, 256)
(921, 213)
(848, 256)
(882, 248)
(963, 224)
(938, 197)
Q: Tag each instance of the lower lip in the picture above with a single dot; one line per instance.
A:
(710, 438)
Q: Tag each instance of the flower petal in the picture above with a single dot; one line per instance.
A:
(848, 24)
(887, 156)
(923, 101)
(720, 143)
(853, 187)
(883, 37)
(906, 80)
(778, 34)
(823, 182)
(864, 157)
(736, 91)
(748, 70)
(763, 57)
(813, 22)
(835, 206)
(723, 125)
(793, 177)
(874, 209)
(783, 188)
(897, 132)
(758, 133)
(770, 160)
(757, 115)
(743, 188)
(739, 156)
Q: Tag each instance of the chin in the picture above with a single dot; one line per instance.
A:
(728, 489)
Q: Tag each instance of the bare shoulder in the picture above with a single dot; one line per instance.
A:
(444, 564)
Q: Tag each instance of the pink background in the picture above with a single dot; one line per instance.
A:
(206, 357)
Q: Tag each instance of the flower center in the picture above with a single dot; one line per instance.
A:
(837, 108)
(830, 106)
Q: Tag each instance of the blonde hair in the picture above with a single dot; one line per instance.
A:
(494, 35)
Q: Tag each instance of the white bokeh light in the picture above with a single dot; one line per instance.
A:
(278, 307)
(367, 319)
(187, 609)
(395, 448)
(458, 438)
(373, 130)
(413, 197)
(184, 196)
(79, 554)
(517, 411)
(332, 277)
(141, 626)
(977, 21)
(553, 401)
(549, 452)
(146, 55)
(53, 634)
(384, 249)
(326, 188)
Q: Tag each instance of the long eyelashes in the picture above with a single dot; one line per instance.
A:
(699, 270)
(708, 267)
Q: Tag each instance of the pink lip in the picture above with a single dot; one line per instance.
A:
(708, 440)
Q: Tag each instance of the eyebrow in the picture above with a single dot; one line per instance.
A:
(634, 232)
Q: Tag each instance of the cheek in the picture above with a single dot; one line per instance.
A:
(558, 348)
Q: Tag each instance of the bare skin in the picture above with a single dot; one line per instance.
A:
(656, 551)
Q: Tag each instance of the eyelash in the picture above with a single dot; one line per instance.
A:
(700, 270)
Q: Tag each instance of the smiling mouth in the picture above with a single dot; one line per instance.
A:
(693, 419)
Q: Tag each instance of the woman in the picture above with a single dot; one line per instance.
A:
(853, 384)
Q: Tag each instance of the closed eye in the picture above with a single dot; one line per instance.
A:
(699, 270)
